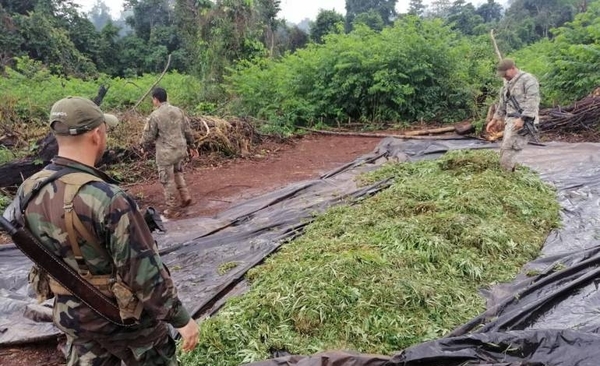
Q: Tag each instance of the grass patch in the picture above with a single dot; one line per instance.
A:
(398, 269)
(226, 267)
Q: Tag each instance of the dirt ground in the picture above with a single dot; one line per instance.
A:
(218, 186)
(221, 184)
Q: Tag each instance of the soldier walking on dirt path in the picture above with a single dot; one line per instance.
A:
(86, 222)
(518, 107)
(170, 130)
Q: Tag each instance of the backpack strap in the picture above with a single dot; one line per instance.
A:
(73, 183)
(74, 180)
(41, 184)
(110, 285)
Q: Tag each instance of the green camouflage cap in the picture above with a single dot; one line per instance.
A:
(504, 66)
(78, 115)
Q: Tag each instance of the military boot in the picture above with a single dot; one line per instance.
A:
(186, 198)
(172, 211)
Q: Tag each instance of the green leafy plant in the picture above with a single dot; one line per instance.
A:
(5, 155)
(416, 70)
(226, 267)
(396, 269)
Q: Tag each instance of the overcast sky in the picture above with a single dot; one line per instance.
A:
(292, 10)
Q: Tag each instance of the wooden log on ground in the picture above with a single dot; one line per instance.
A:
(464, 128)
(383, 135)
(461, 128)
(48, 148)
(14, 173)
(433, 131)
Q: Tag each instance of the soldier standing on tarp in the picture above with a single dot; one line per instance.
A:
(170, 129)
(80, 215)
(519, 101)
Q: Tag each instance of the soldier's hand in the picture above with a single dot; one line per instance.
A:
(491, 127)
(189, 334)
(518, 124)
(193, 153)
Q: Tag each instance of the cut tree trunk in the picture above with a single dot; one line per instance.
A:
(383, 135)
(14, 173)
(461, 128)
(433, 131)
(464, 128)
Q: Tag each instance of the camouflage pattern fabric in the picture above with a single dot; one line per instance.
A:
(512, 144)
(171, 177)
(114, 218)
(168, 127)
(526, 90)
(110, 352)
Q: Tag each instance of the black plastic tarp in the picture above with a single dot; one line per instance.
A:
(194, 249)
(547, 319)
(551, 318)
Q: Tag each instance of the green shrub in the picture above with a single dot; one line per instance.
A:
(416, 70)
(566, 66)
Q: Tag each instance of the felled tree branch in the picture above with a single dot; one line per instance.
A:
(153, 85)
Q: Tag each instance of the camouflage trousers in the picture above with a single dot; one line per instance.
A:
(171, 177)
(151, 347)
(512, 145)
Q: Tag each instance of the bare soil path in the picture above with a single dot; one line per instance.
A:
(217, 187)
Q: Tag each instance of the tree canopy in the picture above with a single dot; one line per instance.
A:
(216, 41)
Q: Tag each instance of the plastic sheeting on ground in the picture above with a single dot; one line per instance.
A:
(548, 319)
(194, 249)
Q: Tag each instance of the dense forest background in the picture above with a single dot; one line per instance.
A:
(371, 64)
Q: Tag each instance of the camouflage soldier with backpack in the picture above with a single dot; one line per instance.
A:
(80, 216)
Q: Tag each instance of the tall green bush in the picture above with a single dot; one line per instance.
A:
(416, 70)
(537, 60)
(574, 72)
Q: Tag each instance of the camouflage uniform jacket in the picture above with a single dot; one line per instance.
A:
(171, 130)
(526, 91)
(114, 218)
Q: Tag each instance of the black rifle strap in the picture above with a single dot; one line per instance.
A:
(509, 91)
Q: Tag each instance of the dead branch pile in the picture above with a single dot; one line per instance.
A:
(581, 116)
(231, 137)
